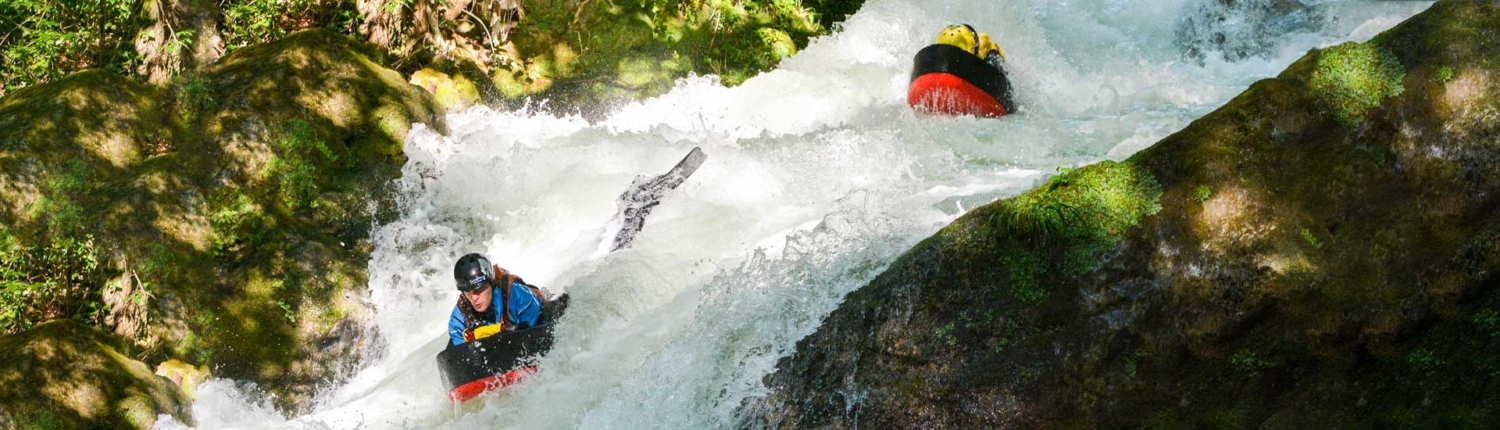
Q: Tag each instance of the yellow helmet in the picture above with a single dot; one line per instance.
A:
(961, 35)
(986, 46)
(964, 37)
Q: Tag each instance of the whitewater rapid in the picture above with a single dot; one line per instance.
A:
(818, 176)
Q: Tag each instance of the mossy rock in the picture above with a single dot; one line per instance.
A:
(63, 374)
(238, 202)
(61, 141)
(183, 375)
(301, 142)
(453, 92)
(1319, 252)
(323, 78)
(590, 55)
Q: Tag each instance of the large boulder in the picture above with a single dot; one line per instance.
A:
(1321, 252)
(231, 208)
(586, 56)
(63, 374)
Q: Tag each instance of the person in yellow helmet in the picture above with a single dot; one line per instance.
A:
(965, 37)
(962, 74)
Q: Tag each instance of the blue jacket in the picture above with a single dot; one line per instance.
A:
(525, 309)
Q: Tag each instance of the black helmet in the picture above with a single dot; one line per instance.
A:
(472, 272)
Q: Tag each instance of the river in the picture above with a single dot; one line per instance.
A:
(818, 176)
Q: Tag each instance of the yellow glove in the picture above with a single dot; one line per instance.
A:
(485, 331)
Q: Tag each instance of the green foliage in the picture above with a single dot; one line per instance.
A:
(1311, 240)
(1487, 322)
(1423, 361)
(193, 346)
(1245, 361)
(62, 279)
(1079, 214)
(1041, 215)
(58, 206)
(1065, 226)
(287, 312)
(1445, 75)
(42, 419)
(44, 40)
(1029, 292)
(973, 325)
(967, 322)
(733, 39)
(157, 260)
(295, 167)
(1132, 363)
(1202, 194)
(1007, 330)
(192, 96)
(1080, 207)
(947, 334)
(249, 22)
(831, 12)
(1354, 78)
(238, 223)
(394, 6)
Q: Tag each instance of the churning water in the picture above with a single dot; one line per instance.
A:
(818, 176)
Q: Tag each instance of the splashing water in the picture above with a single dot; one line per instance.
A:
(818, 177)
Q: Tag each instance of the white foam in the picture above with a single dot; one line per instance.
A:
(818, 176)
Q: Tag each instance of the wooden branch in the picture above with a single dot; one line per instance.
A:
(456, 8)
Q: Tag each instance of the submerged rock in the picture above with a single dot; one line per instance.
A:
(63, 374)
(1240, 29)
(1320, 252)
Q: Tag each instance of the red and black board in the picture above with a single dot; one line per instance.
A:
(503, 359)
(947, 80)
(498, 361)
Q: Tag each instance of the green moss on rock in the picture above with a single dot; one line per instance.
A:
(65, 375)
(1353, 78)
(453, 92)
(586, 55)
(1067, 225)
(237, 212)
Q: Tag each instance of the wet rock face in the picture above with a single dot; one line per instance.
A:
(1239, 29)
(1320, 252)
(66, 375)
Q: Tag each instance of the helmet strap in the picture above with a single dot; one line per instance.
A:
(974, 35)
